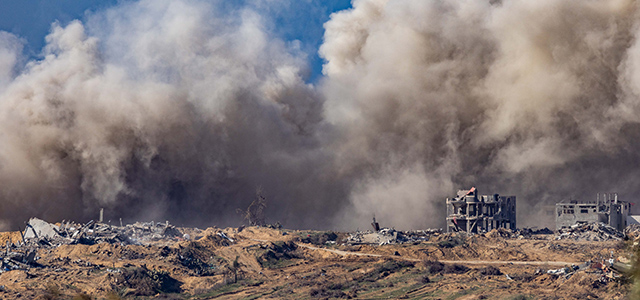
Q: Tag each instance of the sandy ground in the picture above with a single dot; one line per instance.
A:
(278, 264)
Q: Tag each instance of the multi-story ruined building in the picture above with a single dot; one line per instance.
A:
(606, 209)
(473, 213)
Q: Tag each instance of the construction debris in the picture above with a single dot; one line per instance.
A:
(39, 234)
(632, 231)
(608, 268)
(94, 233)
(528, 232)
(375, 225)
(521, 233)
(391, 236)
(590, 232)
(606, 209)
(38, 228)
(146, 258)
(387, 236)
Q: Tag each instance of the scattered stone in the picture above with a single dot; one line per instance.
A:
(590, 232)
(40, 234)
(387, 236)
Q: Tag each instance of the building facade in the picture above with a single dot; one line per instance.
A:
(475, 213)
(606, 209)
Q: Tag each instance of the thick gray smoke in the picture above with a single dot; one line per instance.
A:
(180, 110)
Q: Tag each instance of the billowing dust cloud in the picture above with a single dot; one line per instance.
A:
(180, 110)
(164, 109)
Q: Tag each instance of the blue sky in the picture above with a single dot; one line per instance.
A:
(292, 20)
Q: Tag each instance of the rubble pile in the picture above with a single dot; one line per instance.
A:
(632, 231)
(609, 269)
(94, 233)
(18, 261)
(100, 261)
(590, 232)
(41, 234)
(519, 233)
(527, 232)
(391, 236)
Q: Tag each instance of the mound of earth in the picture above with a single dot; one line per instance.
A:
(159, 261)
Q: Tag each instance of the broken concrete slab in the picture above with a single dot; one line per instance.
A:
(590, 232)
(37, 228)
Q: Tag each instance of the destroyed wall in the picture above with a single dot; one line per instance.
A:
(472, 213)
(570, 214)
(618, 213)
(610, 211)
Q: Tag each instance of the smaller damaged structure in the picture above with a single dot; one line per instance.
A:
(608, 210)
(475, 213)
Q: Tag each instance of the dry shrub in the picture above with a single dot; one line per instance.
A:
(433, 266)
(436, 267)
(451, 242)
(425, 279)
(148, 282)
(324, 293)
(455, 269)
(523, 277)
(490, 270)
(335, 286)
(387, 268)
(320, 238)
(277, 254)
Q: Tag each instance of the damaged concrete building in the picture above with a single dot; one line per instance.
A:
(606, 209)
(473, 213)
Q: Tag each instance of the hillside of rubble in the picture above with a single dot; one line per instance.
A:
(159, 261)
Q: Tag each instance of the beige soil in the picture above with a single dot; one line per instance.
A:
(316, 271)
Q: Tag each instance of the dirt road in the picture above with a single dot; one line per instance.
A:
(464, 262)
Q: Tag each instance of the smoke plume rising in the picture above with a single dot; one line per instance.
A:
(533, 99)
(180, 110)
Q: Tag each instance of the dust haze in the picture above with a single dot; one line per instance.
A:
(180, 110)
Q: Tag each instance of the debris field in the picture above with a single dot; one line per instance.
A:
(69, 260)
